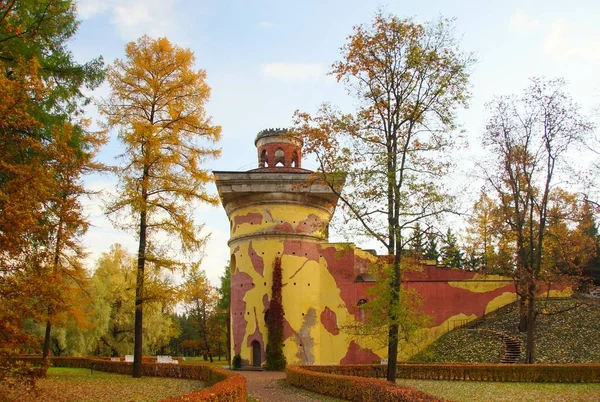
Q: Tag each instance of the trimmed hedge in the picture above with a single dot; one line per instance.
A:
(565, 373)
(223, 385)
(353, 388)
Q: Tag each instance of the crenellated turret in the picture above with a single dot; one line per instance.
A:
(277, 148)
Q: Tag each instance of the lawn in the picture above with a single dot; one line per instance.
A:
(201, 361)
(78, 385)
(474, 391)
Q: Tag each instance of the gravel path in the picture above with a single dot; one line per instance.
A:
(270, 386)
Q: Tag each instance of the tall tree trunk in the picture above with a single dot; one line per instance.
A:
(394, 328)
(55, 262)
(529, 345)
(46, 350)
(139, 299)
(392, 352)
(206, 346)
(523, 314)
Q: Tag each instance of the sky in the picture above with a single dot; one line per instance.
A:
(266, 59)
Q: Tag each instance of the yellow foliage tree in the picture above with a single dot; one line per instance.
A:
(157, 101)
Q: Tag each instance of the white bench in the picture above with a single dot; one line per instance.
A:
(166, 360)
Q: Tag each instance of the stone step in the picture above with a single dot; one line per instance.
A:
(250, 368)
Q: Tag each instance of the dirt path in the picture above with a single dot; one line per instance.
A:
(270, 386)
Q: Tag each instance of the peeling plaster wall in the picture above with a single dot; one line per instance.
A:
(320, 291)
(318, 283)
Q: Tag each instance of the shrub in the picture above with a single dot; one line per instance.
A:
(223, 385)
(237, 361)
(353, 388)
(566, 373)
(360, 383)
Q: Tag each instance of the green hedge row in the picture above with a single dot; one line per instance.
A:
(223, 385)
(353, 388)
(566, 373)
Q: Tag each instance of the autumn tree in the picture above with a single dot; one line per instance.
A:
(42, 138)
(529, 137)
(224, 308)
(67, 278)
(408, 80)
(569, 245)
(587, 224)
(157, 101)
(112, 311)
(482, 232)
(200, 301)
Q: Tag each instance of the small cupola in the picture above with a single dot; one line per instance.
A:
(277, 148)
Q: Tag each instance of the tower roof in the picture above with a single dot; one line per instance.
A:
(283, 133)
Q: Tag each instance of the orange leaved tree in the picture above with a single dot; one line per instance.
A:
(408, 79)
(157, 101)
(42, 136)
(530, 138)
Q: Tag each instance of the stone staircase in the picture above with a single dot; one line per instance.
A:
(512, 345)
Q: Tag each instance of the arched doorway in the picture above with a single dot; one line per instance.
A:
(256, 354)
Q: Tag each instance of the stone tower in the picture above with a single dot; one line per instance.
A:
(275, 211)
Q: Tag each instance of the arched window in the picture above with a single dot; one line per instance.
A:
(232, 263)
(361, 302)
(295, 159)
(279, 157)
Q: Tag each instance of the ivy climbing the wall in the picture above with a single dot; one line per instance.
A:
(274, 320)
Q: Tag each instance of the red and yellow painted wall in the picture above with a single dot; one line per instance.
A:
(273, 214)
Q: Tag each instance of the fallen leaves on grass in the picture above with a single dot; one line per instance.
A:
(80, 385)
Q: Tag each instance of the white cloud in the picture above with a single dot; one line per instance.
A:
(293, 71)
(134, 18)
(562, 39)
(265, 24)
(555, 42)
(565, 41)
(522, 22)
(90, 8)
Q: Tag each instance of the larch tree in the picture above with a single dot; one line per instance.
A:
(158, 103)
(408, 80)
(66, 276)
(530, 137)
(482, 233)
